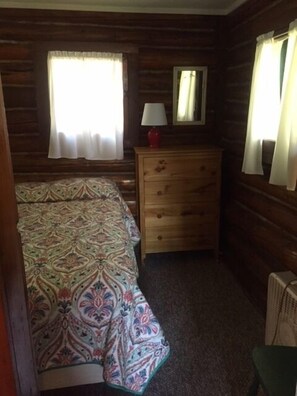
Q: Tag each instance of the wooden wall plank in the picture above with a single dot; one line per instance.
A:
(162, 42)
(259, 219)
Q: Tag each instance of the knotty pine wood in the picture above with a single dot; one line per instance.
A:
(178, 198)
(258, 219)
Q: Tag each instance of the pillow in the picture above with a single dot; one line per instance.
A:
(66, 190)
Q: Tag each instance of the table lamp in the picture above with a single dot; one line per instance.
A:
(154, 115)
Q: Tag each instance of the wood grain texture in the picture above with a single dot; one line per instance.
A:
(162, 42)
(178, 198)
(158, 44)
(226, 45)
(259, 219)
(13, 279)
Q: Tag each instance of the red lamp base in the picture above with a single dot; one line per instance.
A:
(154, 138)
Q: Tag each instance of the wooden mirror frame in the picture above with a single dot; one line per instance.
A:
(200, 96)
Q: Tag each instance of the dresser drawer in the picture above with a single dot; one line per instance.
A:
(178, 192)
(179, 167)
(164, 239)
(179, 215)
(184, 190)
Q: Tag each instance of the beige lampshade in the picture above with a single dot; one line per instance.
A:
(154, 114)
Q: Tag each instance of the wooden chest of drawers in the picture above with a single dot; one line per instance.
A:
(178, 198)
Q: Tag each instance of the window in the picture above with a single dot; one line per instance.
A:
(86, 105)
(272, 111)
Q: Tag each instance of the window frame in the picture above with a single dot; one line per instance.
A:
(130, 82)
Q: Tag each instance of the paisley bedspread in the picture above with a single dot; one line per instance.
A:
(78, 239)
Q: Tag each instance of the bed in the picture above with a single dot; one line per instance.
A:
(89, 319)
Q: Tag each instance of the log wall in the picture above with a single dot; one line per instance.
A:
(162, 42)
(259, 219)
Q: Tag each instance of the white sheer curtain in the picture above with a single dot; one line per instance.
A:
(86, 105)
(186, 97)
(284, 164)
(264, 107)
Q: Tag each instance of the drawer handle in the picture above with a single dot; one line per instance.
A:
(159, 237)
(159, 216)
(202, 168)
(159, 193)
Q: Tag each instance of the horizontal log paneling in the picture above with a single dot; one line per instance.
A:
(14, 50)
(241, 255)
(235, 130)
(143, 21)
(19, 96)
(259, 219)
(251, 257)
(149, 80)
(163, 42)
(17, 78)
(274, 244)
(268, 207)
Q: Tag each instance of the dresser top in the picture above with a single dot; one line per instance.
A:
(174, 149)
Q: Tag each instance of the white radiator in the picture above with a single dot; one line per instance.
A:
(281, 315)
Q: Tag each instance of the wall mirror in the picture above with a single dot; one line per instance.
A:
(189, 95)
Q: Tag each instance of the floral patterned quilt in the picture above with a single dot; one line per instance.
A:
(78, 238)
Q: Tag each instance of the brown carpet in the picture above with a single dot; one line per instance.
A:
(209, 322)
